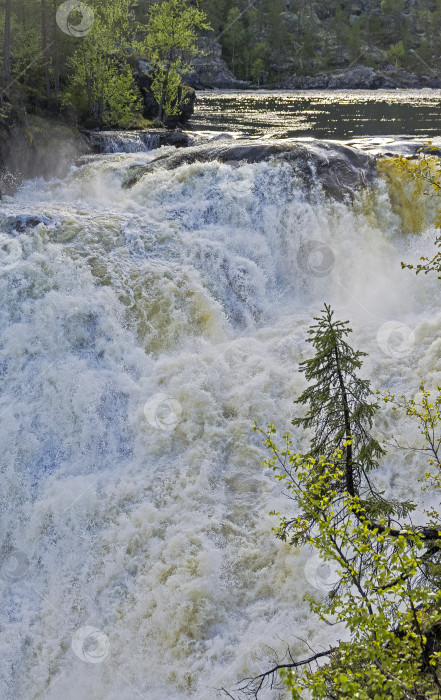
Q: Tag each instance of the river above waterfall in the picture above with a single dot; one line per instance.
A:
(153, 305)
(333, 114)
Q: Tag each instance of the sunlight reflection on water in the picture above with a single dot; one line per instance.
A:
(321, 114)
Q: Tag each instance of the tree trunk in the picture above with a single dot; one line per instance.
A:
(88, 84)
(348, 430)
(162, 100)
(45, 49)
(56, 51)
(161, 107)
(7, 44)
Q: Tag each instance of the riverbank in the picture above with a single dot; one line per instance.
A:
(364, 78)
(32, 146)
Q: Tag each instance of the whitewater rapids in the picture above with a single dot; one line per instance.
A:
(143, 331)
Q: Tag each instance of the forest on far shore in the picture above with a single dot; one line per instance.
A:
(263, 41)
(273, 39)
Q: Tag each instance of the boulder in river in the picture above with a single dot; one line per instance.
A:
(22, 222)
(339, 169)
(210, 71)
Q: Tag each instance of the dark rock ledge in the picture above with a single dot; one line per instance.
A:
(363, 78)
(337, 168)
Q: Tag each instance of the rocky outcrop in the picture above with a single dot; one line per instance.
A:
(23, 222)
(143, 75)
(12, 124)
(339, 169)
(362, 78)
(210, 71)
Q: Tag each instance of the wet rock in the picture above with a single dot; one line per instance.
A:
(143, 75)
(389, 148)
(210, 71)
(362, 78)
(186, 101)
(32, 146)
(337, 168)
(305, 82)
(177, 138)
(222, 137)
(19, 224)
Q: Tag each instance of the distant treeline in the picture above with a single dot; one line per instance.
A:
(84, 56)
(276, 38)
(53, 58)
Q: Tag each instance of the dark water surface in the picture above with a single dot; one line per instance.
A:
(321, 114)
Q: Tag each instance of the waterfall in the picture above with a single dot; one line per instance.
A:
(143, 331)
(123, 141)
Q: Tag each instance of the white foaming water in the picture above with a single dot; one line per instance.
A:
(123, 141)
(151, 528)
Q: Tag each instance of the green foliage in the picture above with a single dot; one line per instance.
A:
(387, 595)
(426, 170)
(354, 41)
(101, 78)
(234, 35)
(339, 411)
(299, 37)
(171, 43)
(92, 72)
(258, 70)
(322, 35)
(388, 614)
(397, 53)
